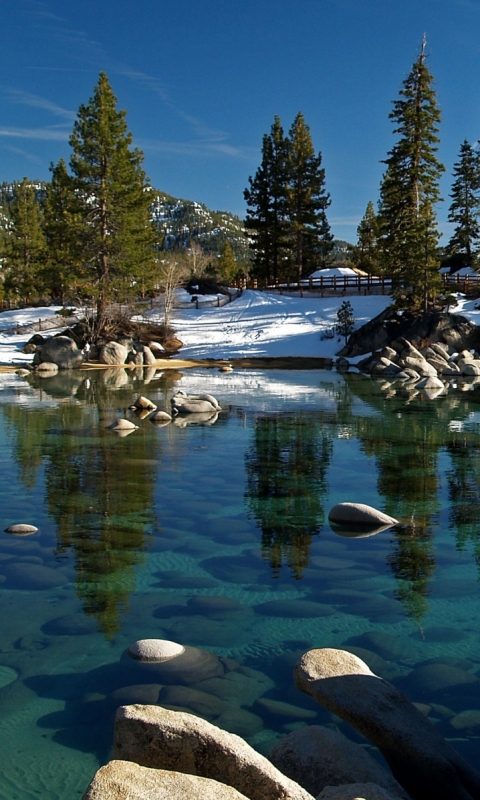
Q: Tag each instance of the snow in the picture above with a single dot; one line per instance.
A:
(255, 325)
(335, 272)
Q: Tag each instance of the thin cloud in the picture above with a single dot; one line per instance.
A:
(197, 148)
(46, 134)
(18, 97)
(24, 153)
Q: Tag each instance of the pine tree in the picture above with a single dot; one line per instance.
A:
(111, 198)
(464, 210)
(410, 191)
(62, 228)
(266, 206)
(226, 265)
(311, 239)
(345, 320)
(365, 254)
(25, 245)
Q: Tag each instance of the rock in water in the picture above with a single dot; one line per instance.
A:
(155, 650)
(21, 529)
(359, 514)
(118, 780)
(420, 759)
(155, 737)
(317, 757)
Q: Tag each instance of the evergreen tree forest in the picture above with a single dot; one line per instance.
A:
(286, 206)
(96, 234)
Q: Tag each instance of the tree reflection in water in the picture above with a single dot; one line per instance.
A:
(286, 468)
(99, 488)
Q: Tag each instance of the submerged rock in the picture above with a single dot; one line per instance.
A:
(317, 757)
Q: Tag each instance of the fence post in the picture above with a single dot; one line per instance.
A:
(196, 303)
(39, 324)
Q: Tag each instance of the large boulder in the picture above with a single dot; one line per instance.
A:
(316, 757)
(449, 329)
(420, 759)
(119, 780)
(60, 350)
(113, 353)
(155, 737)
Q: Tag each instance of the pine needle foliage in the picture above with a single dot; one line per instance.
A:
(410, 191)
(464, 210)
(114, 249)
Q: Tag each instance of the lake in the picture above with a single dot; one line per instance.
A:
(214, 533)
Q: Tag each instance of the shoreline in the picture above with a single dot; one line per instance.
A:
(277, 362)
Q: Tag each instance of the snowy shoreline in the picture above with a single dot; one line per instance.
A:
(256, 326)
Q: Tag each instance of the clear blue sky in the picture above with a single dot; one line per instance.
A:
(202, 81)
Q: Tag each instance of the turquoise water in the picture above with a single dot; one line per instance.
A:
(215, 534)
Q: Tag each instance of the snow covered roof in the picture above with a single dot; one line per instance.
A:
(334, 272)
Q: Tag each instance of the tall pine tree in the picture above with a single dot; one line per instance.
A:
(410, 190)
(464, 210)
(25, 246)
(62, 228)
(266, 207)
(110, 197)
(311, 239)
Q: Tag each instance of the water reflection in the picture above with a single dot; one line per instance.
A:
(286, 468)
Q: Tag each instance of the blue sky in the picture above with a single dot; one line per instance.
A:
(202, 81)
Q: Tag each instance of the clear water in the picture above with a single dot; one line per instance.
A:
(135, 532)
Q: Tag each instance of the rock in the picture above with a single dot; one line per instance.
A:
(386, 645)
(316, 757)
(137, 693)
(156, 650)
(195, 418)
(466, 719)
(161, 417)
(148, 357)
(471, 368)
(191, 666)
(239, 721)
(420, 759)
(356, 791)
(156, 346)
(226, 368)
(59, 350)
(303, 609)
(359, 514)
(21, 529)
(35, 341)
(119, 780)
(172, 345)
(113, 353)
(451, 330)
(161, 739)
(279, 708)
(430, 382)
(144, 404)
(199, 404)
(46, 368)
(196, 701)
(385, 367)
(420, 365)
(428, 680)
(214, 606)
(122, 425)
